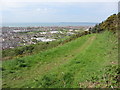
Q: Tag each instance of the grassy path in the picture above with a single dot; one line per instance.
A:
(26, 76)
(64, 66)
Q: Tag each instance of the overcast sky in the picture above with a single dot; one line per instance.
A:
(34, 11)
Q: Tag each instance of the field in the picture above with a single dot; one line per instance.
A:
(88, 61)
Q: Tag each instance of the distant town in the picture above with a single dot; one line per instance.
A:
(12, 37)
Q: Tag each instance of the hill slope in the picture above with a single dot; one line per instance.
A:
(112, 23)
(89, 61)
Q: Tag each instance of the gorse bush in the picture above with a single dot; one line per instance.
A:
(110, 24)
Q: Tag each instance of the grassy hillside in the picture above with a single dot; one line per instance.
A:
(26, 50)
(88, 61)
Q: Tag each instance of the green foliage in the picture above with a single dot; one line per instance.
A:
(110, 24)
(109, 77)
(89, 61)
(84, 62)
(34, 40)
(39, 47)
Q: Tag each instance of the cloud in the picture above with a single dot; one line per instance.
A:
(12, 5)
(60, 0)
(42, 10)
(55, 11)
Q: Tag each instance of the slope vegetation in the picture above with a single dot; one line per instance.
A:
(88, 61)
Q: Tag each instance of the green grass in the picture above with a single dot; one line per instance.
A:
(26, 50)
(89, 61)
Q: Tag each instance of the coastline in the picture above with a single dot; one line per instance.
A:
(55, 24)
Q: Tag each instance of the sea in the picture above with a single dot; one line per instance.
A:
(48, 24)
